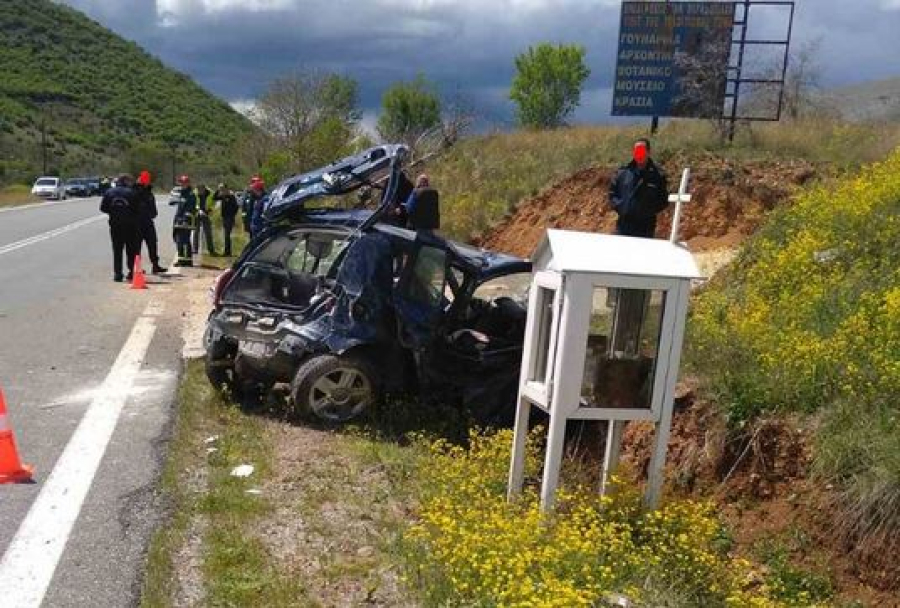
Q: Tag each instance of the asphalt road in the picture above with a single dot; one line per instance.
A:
(64, 325)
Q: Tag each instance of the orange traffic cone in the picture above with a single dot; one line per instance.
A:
(138, 280)
(11, 468)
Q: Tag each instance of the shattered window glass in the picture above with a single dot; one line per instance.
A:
(429, 275)
(315, 253)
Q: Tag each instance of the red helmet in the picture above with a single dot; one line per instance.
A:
(144, 178)
(184, 180)
(256, 183)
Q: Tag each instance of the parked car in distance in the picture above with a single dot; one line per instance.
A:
(346, 307)
(175, 195)
(93, 184)
(78, 186)
(49, 187)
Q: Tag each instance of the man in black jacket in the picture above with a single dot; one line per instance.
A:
(143, 190)
(122, 207)
(638, 192)
(228, 205)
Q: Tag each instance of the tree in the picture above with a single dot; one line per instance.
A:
(409, 110)
(800, 96)
(547, 85)
(803, 79)
(311, 115)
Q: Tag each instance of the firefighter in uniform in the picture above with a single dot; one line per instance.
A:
(257, 198)
(203, 223)
(122, 207)
(228, 207)
(183, 224)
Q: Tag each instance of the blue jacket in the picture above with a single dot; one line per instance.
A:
(257, 222)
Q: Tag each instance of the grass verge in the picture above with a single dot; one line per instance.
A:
(236, 568)
(16, 196)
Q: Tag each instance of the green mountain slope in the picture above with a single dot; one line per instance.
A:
(102, 98)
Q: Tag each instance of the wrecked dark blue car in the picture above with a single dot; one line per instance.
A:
(345, 307)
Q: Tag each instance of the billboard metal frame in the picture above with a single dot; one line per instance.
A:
(735, 72)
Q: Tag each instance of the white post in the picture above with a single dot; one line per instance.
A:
(556, 437)
(681, 197)
(613, 449)
(517, 464)
(664, 424)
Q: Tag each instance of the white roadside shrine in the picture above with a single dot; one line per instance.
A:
(603, 341)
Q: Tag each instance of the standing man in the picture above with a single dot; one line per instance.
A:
(204, 224)
(638, 193)
(248, 202)
(422, 207)
(228, 206)
(257, 198)
(183, 223)
(122, 207)
(143, 191)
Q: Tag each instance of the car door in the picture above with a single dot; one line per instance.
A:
(419, 297)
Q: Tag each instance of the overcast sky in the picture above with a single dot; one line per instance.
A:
(234, 47)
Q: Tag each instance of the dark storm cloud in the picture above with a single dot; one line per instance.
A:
(467, 47)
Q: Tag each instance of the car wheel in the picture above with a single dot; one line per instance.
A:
(335, 389)
(222, 377)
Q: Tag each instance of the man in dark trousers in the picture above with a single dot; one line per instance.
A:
(204, 223)
(183, 224)
(123, 209)
(422, 207)
(253, 193)
(228, 206)
(638, 192)
(143, 190)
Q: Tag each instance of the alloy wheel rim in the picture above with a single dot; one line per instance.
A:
(340, 394)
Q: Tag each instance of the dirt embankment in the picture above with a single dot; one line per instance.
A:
(729, 203)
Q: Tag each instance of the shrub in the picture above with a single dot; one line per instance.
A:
(808, 319)
(471, 547)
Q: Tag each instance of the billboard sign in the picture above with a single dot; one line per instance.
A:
(673, 59)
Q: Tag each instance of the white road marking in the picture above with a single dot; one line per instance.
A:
(31, 559)
(49, 235)
(46, 204)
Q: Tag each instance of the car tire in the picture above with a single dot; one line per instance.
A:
(222, 377)
(335, 389)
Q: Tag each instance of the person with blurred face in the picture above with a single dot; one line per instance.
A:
(423, 206)
(638, 193)
(184, 222)
(121, 205)
(143, 190)
(228, 206)
(257, 199)
(204, 223)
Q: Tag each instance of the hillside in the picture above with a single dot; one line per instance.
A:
(875, 101)
(787, 417)
(103, 99)
(492, 182)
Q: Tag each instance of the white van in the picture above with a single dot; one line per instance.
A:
(49, 187)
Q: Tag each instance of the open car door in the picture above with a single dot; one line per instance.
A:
(419, 297)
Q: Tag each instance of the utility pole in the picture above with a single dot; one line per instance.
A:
(174, 147)
(44, 142)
